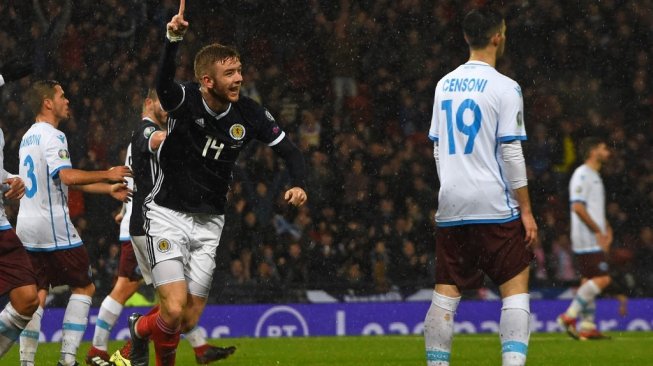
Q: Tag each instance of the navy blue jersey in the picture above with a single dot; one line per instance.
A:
(145, 167)
(198, 156)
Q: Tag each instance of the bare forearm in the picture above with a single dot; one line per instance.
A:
(524, 200)
(76, 177)
(95, 188)
(580, 210)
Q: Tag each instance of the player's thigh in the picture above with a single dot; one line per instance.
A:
(15, 264)
(592, 265)
(70, 267)
(205, 240)
(139, 245)
(506, 252)
(128, 265)
(456, 259)
(167, 235)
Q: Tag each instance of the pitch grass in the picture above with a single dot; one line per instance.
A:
(628, 348)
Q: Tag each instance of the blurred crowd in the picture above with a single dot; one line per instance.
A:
(351, 82)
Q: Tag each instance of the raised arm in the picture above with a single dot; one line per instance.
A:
(170, 93)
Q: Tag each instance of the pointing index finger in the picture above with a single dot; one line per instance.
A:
(182, 7)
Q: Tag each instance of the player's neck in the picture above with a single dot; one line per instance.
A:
(486, 55)
(47, 118)
(216, 105)
(593, 164)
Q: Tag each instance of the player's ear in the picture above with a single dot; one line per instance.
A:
(47, 103)
(208, 81)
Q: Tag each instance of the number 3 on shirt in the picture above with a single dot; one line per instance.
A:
(29, 163)
(470, 130)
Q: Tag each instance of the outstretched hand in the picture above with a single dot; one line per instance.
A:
(121, 192)
(177, 27)
(295, 196)
(118, 174)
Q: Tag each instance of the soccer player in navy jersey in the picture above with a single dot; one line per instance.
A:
(209, 124)
(134, 266)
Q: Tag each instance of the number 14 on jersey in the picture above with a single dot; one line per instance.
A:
(212, 144)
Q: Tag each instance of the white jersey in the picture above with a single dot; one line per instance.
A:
(476, 108)
(43, 219)
(4, 222)
(124, 224)
(586, 187)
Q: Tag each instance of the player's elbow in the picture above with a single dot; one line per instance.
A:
(66, 177)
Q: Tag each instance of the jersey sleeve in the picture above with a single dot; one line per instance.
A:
(578, 190)
(141, 139)
(511, 115)
(56, 153)
(434, 135)
(268, 130)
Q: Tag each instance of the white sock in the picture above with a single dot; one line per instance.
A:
(585, 294)
(587, 315)
(29, 338)
(514, 329)
(11, 324)
(109, 312)
(195, 337)
(74, 324)
(438, 329)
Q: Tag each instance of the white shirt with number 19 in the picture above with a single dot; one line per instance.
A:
(476, 108)
(43, 220)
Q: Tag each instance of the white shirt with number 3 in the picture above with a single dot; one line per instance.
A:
(43, 220)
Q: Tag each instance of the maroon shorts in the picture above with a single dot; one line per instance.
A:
(463, 254)
(128, 266)
(592, 264)
(62, 267)
(15, 266)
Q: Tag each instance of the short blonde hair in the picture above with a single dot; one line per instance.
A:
(151, 94)
(211, 54)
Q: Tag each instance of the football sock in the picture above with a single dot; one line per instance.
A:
(75, 320)
(109, 312)
(196, 338)
(514, 329)
(587, 316)
(146, 323)
(11, 324)
(165, 339)
(585, 294)
(29, 338)
(438, 329)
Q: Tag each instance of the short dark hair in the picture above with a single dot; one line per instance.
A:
(480, 25)
(588, 144)
(38, 92)
(210, 54)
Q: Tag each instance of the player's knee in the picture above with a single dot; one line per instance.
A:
(27, 305)
(172, 310)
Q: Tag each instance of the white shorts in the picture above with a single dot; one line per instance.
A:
(190, 238)
(139, 243)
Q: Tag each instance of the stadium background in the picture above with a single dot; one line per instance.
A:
(367, 232)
